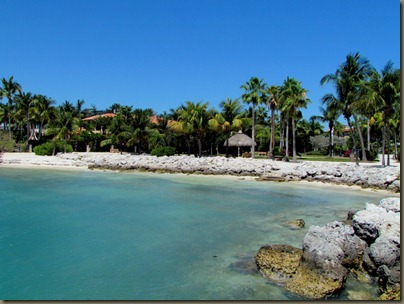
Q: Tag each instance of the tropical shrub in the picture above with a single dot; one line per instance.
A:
(277, 150)
(371, 155)
(6, 144)
(161, 151)
(47, 148)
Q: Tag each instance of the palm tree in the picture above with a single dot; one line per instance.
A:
(330, 114)
(386, 93)
(272, 94)
(139, 128)
(23, 105)
(9, 90)
(117, 130)
(254, 91)
(63, 126)
(43, 110)
(231, 118)
(349, 80)
(193, 120)
(5, 113)
(294, 98)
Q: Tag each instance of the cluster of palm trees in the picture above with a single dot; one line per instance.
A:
(362, 92)
(272, 115)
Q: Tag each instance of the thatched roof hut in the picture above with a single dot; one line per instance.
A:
(239, 140)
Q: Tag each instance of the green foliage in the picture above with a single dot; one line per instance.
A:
(161, 151)
(371, 155)
(47, 148)
(6, 144)
(277, 150)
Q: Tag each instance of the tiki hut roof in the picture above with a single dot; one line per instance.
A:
(240, 140)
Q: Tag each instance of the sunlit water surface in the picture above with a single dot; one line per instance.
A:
(91, 235)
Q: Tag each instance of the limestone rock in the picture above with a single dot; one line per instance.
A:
(332, 248)
(311, 284)
(391, 204)
(296, 224)
(278, 263)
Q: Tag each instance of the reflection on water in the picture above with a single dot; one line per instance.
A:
(129, 236)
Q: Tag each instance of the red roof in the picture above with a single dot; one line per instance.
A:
(100, 115)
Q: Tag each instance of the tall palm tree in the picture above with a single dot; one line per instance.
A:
(272, 100)
(5, 112)
(23, 103)
(330, 114)
(9, 90)
(193, 120)
(386, 93)
(254, 91)
(294, 98)
(44, 111)
(349, 80)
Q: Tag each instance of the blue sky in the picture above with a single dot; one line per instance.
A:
(160, 53)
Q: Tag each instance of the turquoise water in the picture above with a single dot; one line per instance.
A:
(91, 235)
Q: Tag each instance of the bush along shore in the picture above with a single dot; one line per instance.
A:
(370, 175)
(367, 245)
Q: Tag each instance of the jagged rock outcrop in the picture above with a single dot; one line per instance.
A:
(379, 226)
(320, 269)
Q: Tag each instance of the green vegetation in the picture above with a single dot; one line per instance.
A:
(368, 100)
(51, 148)
(163, 151)
(319, 157)
(6, 143)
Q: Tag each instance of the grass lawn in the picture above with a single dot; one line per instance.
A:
(325, 158)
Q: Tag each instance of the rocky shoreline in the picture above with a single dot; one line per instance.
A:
(368, 246)
(366, 175)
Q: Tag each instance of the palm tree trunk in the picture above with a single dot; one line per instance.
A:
(368, 134)
(293, 139)
(354, 141)
(9, 127)
(199, 146)
(395, 144)
(360, 138)
(388, 145)
(253, 132)
(287, 140)
(227, 145)
(28, 126)
(272, 139)
(383, 144)
(330, 126)
(281, 139)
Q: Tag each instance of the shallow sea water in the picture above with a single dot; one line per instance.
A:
(92, 235)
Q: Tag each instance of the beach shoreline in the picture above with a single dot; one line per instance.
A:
(82, 161)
